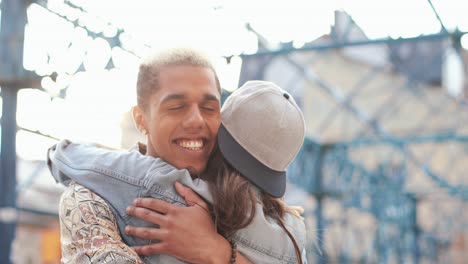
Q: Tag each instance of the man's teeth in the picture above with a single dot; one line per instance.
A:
(191, 144)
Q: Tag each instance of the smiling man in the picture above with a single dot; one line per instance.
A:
(179, 112)
(181, 116)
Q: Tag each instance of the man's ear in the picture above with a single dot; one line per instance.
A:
(140, 119)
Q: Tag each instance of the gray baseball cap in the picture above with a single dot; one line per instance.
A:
(262, 130)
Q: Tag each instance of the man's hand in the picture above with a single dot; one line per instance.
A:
(187, 233)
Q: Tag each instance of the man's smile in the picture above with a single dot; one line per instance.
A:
(191, 144)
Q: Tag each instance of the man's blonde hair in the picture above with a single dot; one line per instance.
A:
(151, 66)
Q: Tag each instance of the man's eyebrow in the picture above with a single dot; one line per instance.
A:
(173, 97)
(210, 97)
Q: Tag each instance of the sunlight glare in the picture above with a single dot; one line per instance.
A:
(30, 146)
(452, 13)
(380, 19)
(97, 55)
(33, 109)
(124, 60)
(251, 45)
(228, 72)
(50, 85)
(464, 41)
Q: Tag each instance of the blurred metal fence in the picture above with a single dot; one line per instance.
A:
(387, 155)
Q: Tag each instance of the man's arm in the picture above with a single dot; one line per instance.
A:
(187, 233)
(89, 233)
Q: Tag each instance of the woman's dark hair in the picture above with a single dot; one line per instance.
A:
(234, 200)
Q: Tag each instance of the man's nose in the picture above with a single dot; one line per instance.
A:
(194, 119)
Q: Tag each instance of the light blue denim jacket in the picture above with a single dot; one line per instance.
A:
(119, 177)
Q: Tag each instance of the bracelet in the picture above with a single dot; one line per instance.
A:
(233, 251)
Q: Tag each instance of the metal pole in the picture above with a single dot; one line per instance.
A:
(13, 21)
(8, 173)
(415, 229)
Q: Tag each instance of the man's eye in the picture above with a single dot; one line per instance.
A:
(177, 107)
(210, 109)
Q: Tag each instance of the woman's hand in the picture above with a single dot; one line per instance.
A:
(187, 233)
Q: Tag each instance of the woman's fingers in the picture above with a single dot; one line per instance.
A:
(153, 204)
(146, 232)
(191, 198)
(152, 249)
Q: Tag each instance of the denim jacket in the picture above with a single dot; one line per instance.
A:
(119, 177)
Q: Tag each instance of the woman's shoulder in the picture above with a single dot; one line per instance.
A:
(88, 229)
(78, 200)
(78, 193)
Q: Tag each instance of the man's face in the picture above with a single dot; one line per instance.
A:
(183, 117)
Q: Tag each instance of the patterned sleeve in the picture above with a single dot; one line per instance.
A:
(89, 233)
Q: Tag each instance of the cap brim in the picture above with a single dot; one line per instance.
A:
(271, 181)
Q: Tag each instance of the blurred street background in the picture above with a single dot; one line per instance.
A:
(383, 86)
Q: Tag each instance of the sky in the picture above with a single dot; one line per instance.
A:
(97, 98)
